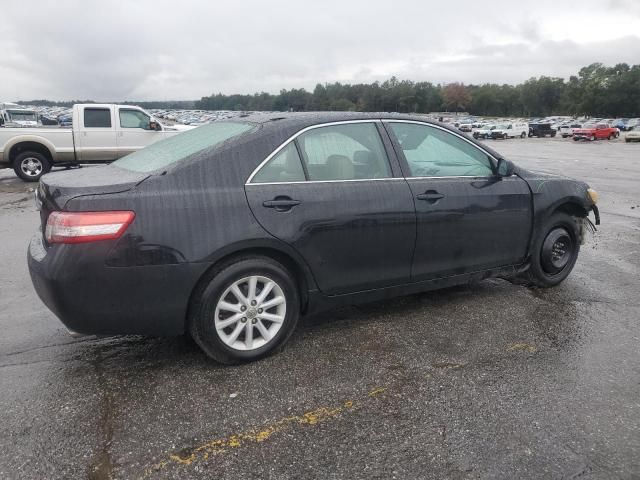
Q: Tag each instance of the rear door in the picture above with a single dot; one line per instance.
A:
(334, 194)
(468, 219)
(96, 136)
(134, 131)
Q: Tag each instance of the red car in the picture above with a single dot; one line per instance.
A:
(599, 131)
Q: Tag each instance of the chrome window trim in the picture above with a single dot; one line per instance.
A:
(379, 121)
(330, 181)
(306, 129)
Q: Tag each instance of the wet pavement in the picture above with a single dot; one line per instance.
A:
(492, 380)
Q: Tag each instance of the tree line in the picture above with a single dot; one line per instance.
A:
(596, 90)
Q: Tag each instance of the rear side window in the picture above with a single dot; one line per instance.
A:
(97, 118)
(284, 167)
(349, 151)
(174, 149)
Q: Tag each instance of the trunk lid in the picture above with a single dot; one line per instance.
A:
(57, 188)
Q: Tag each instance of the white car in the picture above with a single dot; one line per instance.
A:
(566, 129)
(633, 135)
(483, 131)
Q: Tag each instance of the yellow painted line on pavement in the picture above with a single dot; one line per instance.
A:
(258, 435)
(527, 347)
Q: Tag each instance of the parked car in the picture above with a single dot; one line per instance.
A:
(235, 229)
(598, 131)
(101, 133)
(483, 131)
(633, 135)
(510, 130)
(566, 130)
(541, 130)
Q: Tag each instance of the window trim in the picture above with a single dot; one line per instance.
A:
(293, 138)
(405, 164)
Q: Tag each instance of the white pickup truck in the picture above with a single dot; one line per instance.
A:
(101, 133)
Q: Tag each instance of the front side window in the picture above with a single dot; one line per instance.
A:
(349, 151)
(134, 119)
(432, 152)
(97, 118)
(174, 149)
(283, 167)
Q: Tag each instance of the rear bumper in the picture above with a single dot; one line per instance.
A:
(92, 298)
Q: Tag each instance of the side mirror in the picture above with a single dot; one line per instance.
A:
(504, 168)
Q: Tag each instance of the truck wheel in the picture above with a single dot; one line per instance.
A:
(555, 251)
(523, 135)
(592, 138)
(248, 309)
(611, 136)
(505, 136)
(30, 166)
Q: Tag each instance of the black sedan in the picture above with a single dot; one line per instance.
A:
(231, 231)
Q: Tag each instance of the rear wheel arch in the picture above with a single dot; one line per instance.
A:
(292, 266)
(29, 146)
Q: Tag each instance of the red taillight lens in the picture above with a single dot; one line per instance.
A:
(82, 227)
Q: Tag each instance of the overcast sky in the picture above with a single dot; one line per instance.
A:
(161, 50)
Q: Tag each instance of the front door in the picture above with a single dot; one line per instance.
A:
(332, 194)
(134, 131)
(468, 219)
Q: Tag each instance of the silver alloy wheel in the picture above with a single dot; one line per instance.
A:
(250, 313)
(31, 166)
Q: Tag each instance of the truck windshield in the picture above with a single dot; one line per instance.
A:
(166, 152)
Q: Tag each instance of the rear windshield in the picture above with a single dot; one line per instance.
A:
(166, 152)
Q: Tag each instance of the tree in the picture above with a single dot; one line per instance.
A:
(455, 96)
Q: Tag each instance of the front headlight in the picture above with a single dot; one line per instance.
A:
(593, 195)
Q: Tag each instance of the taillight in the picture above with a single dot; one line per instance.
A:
(82, 227)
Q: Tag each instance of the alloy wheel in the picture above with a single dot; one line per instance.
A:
(31, 166)
(250, 312)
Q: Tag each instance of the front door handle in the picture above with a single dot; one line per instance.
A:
(281, 204)
(430, 196)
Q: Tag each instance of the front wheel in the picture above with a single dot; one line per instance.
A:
(30, 166)
(555, 251)
(247, 310)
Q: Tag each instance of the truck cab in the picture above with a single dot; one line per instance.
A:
(100, 133)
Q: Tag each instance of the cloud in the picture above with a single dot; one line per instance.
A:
(118, 50)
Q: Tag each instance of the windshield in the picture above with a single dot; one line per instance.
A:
(166, 152)
(21, 116)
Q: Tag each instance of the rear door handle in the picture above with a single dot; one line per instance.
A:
(281, 204)
(430, 196)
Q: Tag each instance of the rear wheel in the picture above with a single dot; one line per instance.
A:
(592, 138)
(555, 251)
(248, 310)
(523, 135)
(30, 166)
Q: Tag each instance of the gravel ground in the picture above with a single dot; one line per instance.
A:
(492, 380)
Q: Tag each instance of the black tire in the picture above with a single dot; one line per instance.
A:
(611, 137)
(555, 251)
(505, 136)
(523, 135)
(30, 166)
(202, 311)
(593, 138)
